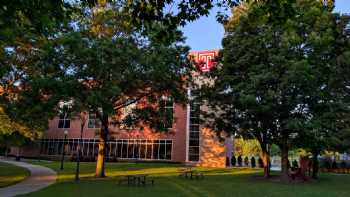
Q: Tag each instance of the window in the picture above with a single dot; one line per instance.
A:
(64, 121)
(93, 122)
(118, 148)
(167, 109)
(194, 138)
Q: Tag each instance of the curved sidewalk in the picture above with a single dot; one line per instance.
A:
(40, 177)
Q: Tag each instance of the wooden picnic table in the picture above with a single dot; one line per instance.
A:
(136, 179)
(190, 173)
(139, 179)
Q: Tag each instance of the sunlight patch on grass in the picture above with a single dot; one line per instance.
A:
(10, 174)
(115, 170)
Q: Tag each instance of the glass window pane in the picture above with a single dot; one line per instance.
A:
(168, 151)
(143, 151)
(67, 124)
(124, 150)
(194, 142)
(149, 151)
(155, 151)
(162, 150)
(119, 149)
(193, 157)
(130, 150)
(60, 123)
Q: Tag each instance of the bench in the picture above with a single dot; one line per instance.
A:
(295, 173)
(190, 173)
(136, 180)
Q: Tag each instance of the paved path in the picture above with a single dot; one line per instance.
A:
(40, 177)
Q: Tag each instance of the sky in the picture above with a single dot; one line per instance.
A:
(205, 33)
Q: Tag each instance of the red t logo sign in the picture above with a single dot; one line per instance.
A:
(206, 61)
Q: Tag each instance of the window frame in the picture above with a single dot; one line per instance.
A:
(166, 107)
(64, 118)
(194, 140)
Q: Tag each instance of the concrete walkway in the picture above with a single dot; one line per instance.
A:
(40, 177)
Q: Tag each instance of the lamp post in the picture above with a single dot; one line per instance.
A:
(63, 148)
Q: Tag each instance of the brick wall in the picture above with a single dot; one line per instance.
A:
(212, 151)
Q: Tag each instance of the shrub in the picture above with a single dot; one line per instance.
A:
(239, 161)
(246, 161)
(261, 163)
(252, 162)
(233, 161)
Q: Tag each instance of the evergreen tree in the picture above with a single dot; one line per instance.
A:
(246, 161)
(239, 161)
(233, 161)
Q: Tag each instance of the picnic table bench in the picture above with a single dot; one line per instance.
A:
(190, 173)
(297, 173)
(300, 172)
(136, 179)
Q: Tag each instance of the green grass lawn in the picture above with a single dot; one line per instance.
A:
(217, 182)
(10, 174)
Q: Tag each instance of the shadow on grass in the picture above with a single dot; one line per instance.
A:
(11, 174)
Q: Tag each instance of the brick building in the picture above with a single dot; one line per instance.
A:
(187, 141)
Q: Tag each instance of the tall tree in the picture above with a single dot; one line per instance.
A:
(276, 62)
(107, 63)
(328, 126)
(118, 55)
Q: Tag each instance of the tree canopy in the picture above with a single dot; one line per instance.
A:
(278, 64)
(99, 61)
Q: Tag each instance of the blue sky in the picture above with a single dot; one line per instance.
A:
(206, 33)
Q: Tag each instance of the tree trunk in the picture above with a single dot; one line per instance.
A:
(265, 156)
(315, 164)
(18, 157)
(77, 170)
(100, 163)
(284, 161)
(6, 150)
